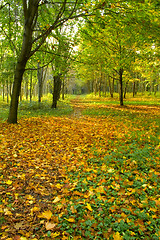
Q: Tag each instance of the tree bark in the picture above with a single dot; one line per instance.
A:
(125, 89)
(111, 86)
(134, 86)
(30, 15)
(121, 86)
(56, 90)
(30, 90)
(63, 89)
(3, 92)
(40, 82)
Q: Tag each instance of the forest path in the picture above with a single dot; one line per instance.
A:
(77, 109)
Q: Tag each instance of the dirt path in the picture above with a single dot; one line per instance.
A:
(77, 111)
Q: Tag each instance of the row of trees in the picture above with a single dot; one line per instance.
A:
(121, 49)
(33, 32)
(115, 39)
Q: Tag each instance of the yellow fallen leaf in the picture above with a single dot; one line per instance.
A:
(116, 236)
(110, 170)
(46, 214)
(54, 235)
(70, 219)
(7, 212)
(9, 182)
(57, 199)
(49, 225)
(23, 238)
(58, 185)
(89, 207)
(34, 209)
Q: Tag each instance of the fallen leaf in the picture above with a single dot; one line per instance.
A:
(46, 214)
(9, 182)
(49, 226)
(70, 219)
(57, 199)
(89, 207)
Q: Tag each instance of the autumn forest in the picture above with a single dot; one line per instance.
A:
(79, 120)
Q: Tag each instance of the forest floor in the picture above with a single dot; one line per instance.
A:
(94, 174)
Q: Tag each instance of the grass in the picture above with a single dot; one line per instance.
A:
(28, 109)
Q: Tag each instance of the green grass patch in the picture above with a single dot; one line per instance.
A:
(28, 109)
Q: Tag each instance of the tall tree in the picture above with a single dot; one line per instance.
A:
(51, 15)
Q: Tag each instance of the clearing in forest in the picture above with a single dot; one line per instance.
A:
(92, 175)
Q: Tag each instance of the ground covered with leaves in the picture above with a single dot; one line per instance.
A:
(81, 176)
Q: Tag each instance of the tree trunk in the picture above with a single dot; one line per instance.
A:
(111, 86)
(7, 92)
(125, 90)
(26, 88)
(95, 87)
(134, 88)
(100, 83)
(40, 82)
(63, 88)
(12, 118)
(56, 90)
(121, 86)
(30, 90)
(30, 15)
(3, 92)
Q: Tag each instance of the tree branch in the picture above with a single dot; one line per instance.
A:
(2, 6)
(45, 65)
(25, 8)
(14, 46)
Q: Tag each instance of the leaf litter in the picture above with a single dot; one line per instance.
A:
(80, 178)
